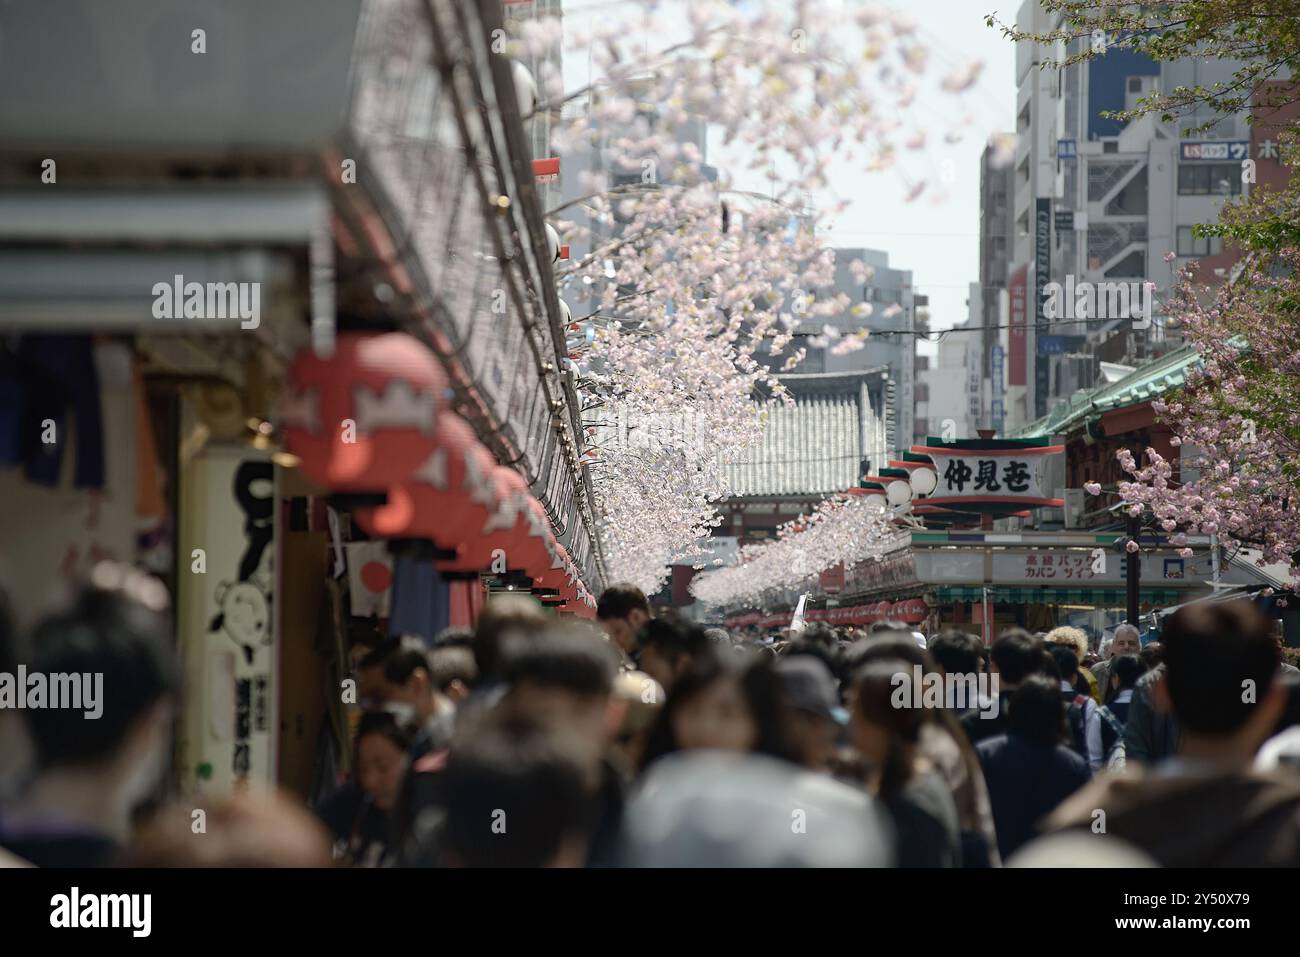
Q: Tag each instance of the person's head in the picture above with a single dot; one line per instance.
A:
(889, 626)
(813, 716)
(1069, 637)
(886, 734)
(669, 644)
(816, 634)
(382, 745)
(396, 677)
(1067, 662)
(518, 793)
(564, 677)
(1037, 712)
(622, 610)
(502, 618)
(1125, 670)
(957, 652)
(1152, 654)
(1015, 656)
(453, 671)
(1125, 642)
(731, 703)
(115, 630)
(1221, 664)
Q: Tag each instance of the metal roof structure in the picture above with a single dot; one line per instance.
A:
(816, 444)
(1141, 385)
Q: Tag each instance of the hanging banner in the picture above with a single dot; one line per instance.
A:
(977, 476)
(227, 623)
(1017, 350)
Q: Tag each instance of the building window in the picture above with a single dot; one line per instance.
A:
(1110, 146)
(1191, 245)
(1209, 179)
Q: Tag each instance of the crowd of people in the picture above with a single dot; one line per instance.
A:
(647, 740)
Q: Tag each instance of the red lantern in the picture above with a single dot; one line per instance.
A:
(365, 418)
(497, 526)
(437, 500)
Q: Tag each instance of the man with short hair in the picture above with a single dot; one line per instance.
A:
(92, 773)
(517, 794)
(1126, 641)
(669, 646)
(564, 678)
(622, 611)
(1013, 657)
(1206, 806)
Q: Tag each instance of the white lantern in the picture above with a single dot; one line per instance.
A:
(924, 480)
(553, 242)
(898, 492)
(566, 314)
(525, 88)
(876, 501)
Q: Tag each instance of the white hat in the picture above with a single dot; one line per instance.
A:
(918, 638)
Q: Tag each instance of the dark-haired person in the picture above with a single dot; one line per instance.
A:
(945, 746)
(669, 646)
(958, 653)
(396, 677)
(453, 671)
(1123, 675)
(518, 794)
(92, 773)
(814, 719)
(1029, 770)
(1081, 715)
(622, 611)
(905, 781)
(358, 813)
(564, 678)
(1013, 657)
(729, 703)
(1206, 806)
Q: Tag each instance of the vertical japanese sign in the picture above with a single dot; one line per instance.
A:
(997, 409)
(1042, 274)
(1017, 292)
(227, 624)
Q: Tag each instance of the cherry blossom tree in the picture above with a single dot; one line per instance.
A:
(843, 528)
(1236, 419)
(693, 289)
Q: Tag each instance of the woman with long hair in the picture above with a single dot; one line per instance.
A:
(730, 702)
(945, 744)
(887, 724)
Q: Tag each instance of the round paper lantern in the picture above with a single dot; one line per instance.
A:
(491, 526)
(438, 494)
(365, 418)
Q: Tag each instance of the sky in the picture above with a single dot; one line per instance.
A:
(937, 240)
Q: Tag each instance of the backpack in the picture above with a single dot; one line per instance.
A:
(1074, 714)
(1115, 757)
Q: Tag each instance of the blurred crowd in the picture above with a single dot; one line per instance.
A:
(647, 740)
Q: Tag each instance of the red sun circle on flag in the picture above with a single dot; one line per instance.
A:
(376, 576)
